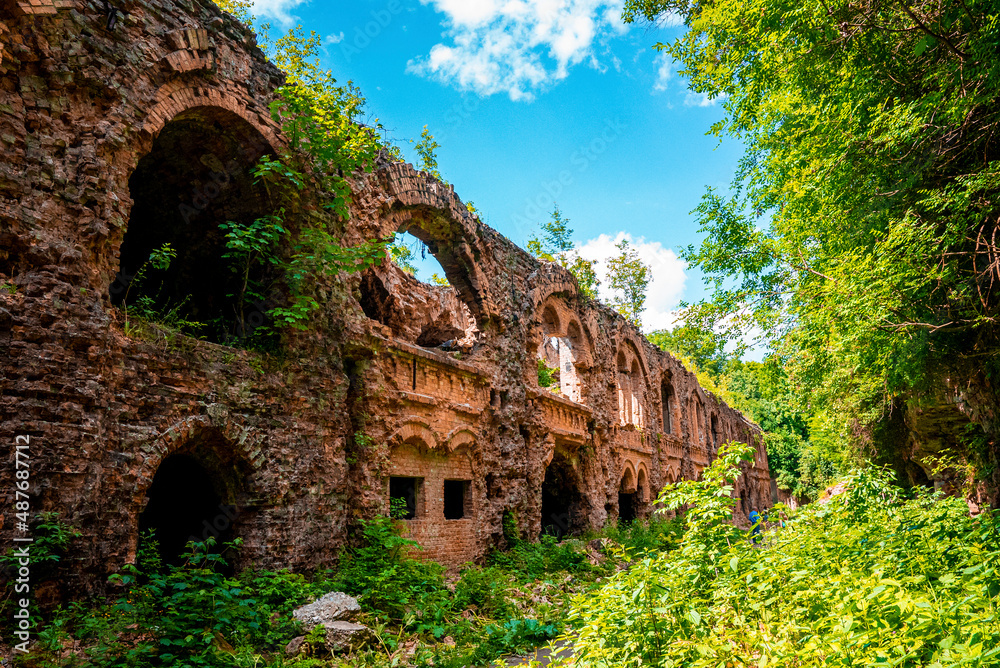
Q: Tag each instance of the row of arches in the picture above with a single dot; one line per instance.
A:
(566, 349)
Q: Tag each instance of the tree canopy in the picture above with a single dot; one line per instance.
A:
(860, 232)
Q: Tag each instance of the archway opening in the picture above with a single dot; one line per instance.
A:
(624, 390)
(561, 499)
(411, 255)
(627, 498)
(626, 507)
(668, 398)
(194, 183)
(184, 503)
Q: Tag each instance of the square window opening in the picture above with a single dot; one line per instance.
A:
(456, 499)
(403, 497)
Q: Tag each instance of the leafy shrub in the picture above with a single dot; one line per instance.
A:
(190, 609)
(382, 572)
(546, 556)
(50, 541)
(486, 589)
(871, 578)
(641, 537)
(546, 376)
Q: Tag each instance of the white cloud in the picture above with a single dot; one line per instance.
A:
(693, 99)
(664, 70)
(334, 39)
(277, 10)
(663, 295)
(516, 47)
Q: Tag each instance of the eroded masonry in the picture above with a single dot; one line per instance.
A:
(116, 140)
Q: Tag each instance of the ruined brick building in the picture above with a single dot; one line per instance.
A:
(116, 140)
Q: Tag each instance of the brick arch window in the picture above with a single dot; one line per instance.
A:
(671, 422)
(624, 389)
(195, 180)
(638, 395)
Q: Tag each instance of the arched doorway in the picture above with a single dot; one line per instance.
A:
(628, 501)
(186, 502)
(561, 498)
(196, 178)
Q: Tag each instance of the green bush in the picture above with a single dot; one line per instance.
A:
(383, 573)
(191, 610)
(531, 560)
(486, 589)
(871, 578)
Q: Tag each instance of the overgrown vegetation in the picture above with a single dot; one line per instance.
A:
(547, 375)
(874, 577)
(281, 259)
(196, 614)
(556, 245)
(860, 232)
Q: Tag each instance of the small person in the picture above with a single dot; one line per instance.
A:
(755, 521)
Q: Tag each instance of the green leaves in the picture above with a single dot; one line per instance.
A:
(859, 228)
(629, 277)
(869, 578)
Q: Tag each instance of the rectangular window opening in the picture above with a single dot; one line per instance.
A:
(403, 497)
(456, 499)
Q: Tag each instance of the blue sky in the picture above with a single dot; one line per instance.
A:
(535, 102)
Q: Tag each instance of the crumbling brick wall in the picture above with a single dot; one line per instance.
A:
(393, 377)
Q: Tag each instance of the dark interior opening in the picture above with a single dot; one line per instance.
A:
(376, 301)
(184, 505)
(626, 507)
(455, 498)
(196, 177)
(560, 499)
(403, 496)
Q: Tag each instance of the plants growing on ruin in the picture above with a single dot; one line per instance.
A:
(556, 245)
(546, 374)
(427, 148)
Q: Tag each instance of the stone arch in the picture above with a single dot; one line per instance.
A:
(430, 211)
(716, 432)
(415, 433)
(563, 344)
(194, 483)
(176, 97)
(628, 497)
(697, 411)
(624, 383)
(642, 483)
(632, 382)
(628, 478)
(563, 504)
(193, 177)
(671, 423)
(550, 321)
(459, 438)
(638, 402)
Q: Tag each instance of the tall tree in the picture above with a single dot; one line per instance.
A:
(629, 277)
(862, 232)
